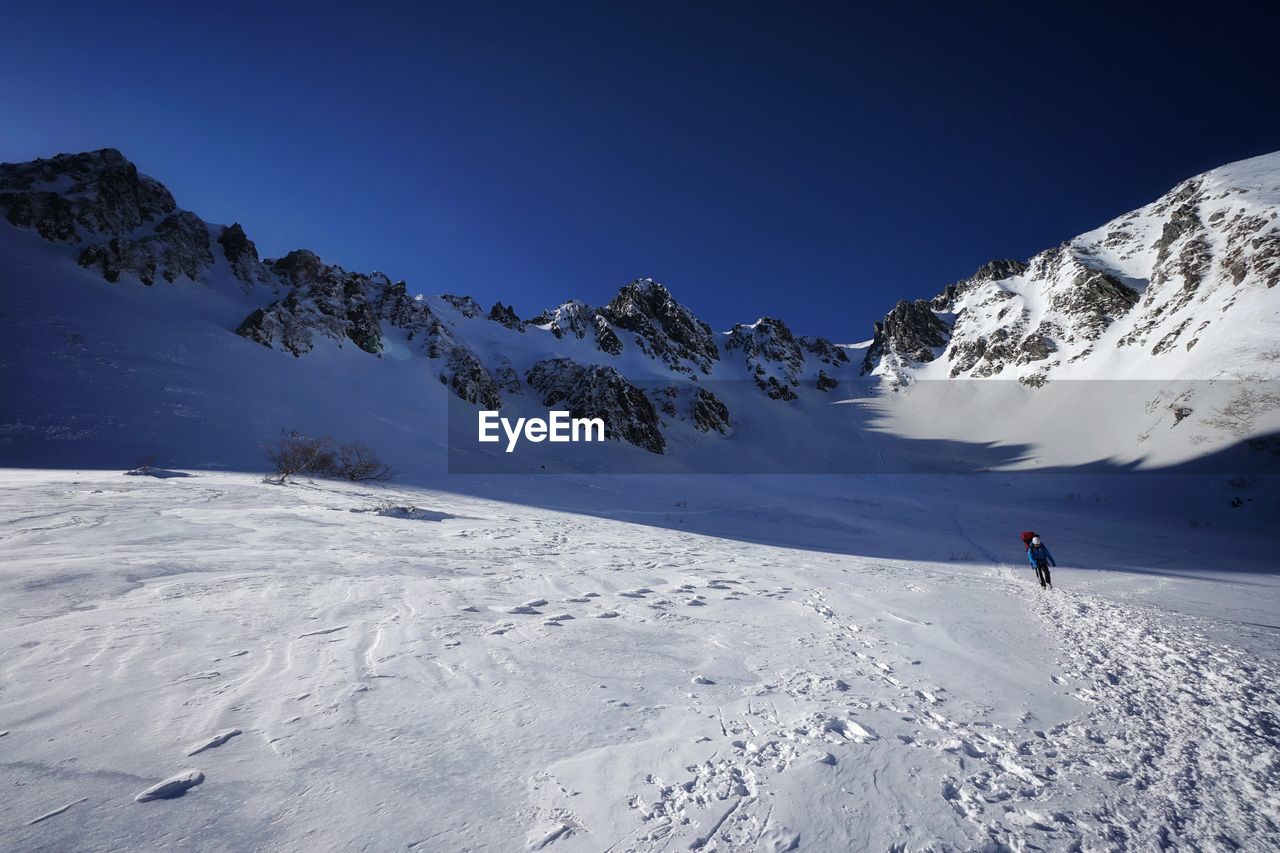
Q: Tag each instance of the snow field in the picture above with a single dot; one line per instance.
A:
(263, 667)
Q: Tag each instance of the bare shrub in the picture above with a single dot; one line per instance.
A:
(1237, 416)
(359, 463)
(294, 454)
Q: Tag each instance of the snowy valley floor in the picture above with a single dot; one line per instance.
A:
(479, 675)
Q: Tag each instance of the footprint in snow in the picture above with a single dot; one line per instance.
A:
(607, 614)
(211, 742)
(639, 592)
(702, 679)
(174, 786)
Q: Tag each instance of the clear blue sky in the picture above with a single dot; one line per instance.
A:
(806, 161)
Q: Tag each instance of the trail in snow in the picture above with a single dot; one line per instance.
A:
(1187, 729)
(735, 696)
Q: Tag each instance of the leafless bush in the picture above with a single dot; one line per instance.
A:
(1238, 415)
(359, 463)
(293, 454)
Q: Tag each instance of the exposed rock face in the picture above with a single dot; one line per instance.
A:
(701, 407)
(911, 330)
(578, 319)
(242, 256)
(322, 299)
(825, 382)
(574, 317)
(643, 313)
(468, 378)
(1158, 278)
(506, 316)
(599, 391)
(71, 195)
(662, 327)
(772, 354)
(824, 350)
(466, 306)
(179, 247)
(709, 412)
(1094, 300)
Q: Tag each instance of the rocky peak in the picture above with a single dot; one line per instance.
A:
(505, 315)
(242, 256)
(574, 317)
(910, 331)
(465, 305)
(93, 193)
(772, 354)
(662, 327)
(578, 319)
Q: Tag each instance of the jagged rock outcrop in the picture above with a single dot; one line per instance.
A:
(1162, 278)
(825, 382)
(242, 257)
(699, 406)
(662, 327)
(578, 319)
(470, 380)
(506, 316)
(710, 414)
(71, 196)
(322, 299)
(599, 391)
(773, 356)
(465, 305)
(910, 331)
(575, 318)
(178, 247)
(824, 350)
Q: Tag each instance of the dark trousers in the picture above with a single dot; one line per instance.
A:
(1042, 573)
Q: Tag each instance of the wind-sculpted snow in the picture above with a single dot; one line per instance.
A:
(451, 672)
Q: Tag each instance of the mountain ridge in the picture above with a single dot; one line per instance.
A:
(1181, 288)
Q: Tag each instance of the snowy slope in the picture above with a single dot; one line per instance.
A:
(481, 675)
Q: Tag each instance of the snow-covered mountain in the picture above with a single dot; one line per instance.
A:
(1182, 289)
(632, 663)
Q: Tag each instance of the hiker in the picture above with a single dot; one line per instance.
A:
(1039, 557)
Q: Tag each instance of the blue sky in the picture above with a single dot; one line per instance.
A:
(809, 161)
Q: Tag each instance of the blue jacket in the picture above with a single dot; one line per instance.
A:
(1039, 552)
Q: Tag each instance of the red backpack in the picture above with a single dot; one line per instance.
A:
(1027, 536)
